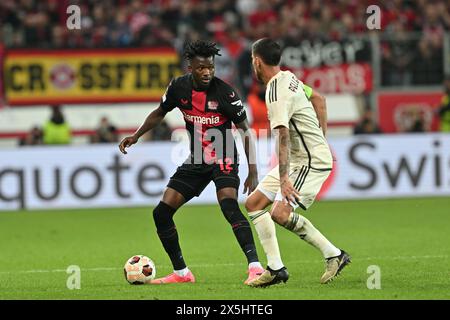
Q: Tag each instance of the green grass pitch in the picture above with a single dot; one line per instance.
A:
(408, 239)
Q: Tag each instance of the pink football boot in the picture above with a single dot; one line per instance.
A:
(174, 278)
(253, 273)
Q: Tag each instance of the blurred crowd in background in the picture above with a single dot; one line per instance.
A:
(411, 44)
(414, 28)
(121, 23)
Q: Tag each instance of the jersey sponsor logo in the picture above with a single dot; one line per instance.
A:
(212, 105)
(200, 119)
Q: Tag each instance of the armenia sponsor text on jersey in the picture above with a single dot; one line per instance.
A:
(208, 116)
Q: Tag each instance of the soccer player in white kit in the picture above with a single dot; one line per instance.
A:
(297, 115)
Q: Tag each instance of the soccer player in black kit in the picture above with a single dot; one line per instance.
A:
(209, 106)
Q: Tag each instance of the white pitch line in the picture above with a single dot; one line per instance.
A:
(231, 264)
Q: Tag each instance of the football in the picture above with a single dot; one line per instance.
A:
(139, 269)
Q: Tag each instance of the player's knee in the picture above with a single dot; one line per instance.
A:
(226, 193)
(250, 204)
(232, 212)
(163, 215)
(256, 202)
(278, 217)
(280, 214)
(174, 198)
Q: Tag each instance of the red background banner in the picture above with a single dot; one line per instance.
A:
(397, 109)
(346, 78)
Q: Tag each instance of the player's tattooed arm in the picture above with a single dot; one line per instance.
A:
(248, 141)
(288, 191)
(283, 151)
(152, 120)
(319, 103)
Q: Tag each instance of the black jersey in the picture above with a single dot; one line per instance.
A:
(208, 116)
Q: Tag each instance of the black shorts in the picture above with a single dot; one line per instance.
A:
(191, 179)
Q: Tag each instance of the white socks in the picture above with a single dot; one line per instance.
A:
(265, 227)
(255, 265)
(182, 272)
(305, 230)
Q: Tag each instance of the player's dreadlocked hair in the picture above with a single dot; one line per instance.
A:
(201, 48)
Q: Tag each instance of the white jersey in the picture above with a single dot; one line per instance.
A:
(288, 105)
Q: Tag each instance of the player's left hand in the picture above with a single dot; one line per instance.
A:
(250, 183)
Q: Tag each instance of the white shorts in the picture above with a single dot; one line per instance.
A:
(306, 181)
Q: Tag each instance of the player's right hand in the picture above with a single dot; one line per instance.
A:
(289, 193)
(126, 143)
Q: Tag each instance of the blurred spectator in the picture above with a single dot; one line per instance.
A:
(417, 123)
(56, 130)
(105, 133)
(397, 54)
(161, 132)
(245, 72)
(367, 124)
(120, 34)
(139, 17)
(444, 110)
(432, 21)
(257, 105)
(414, 118)
(34, 137)
(37, 30)
(428, 65)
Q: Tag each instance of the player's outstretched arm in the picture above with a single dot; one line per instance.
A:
(319, 103)
(248, 141)
(152, 120)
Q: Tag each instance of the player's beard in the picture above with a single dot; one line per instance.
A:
(258, 76)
